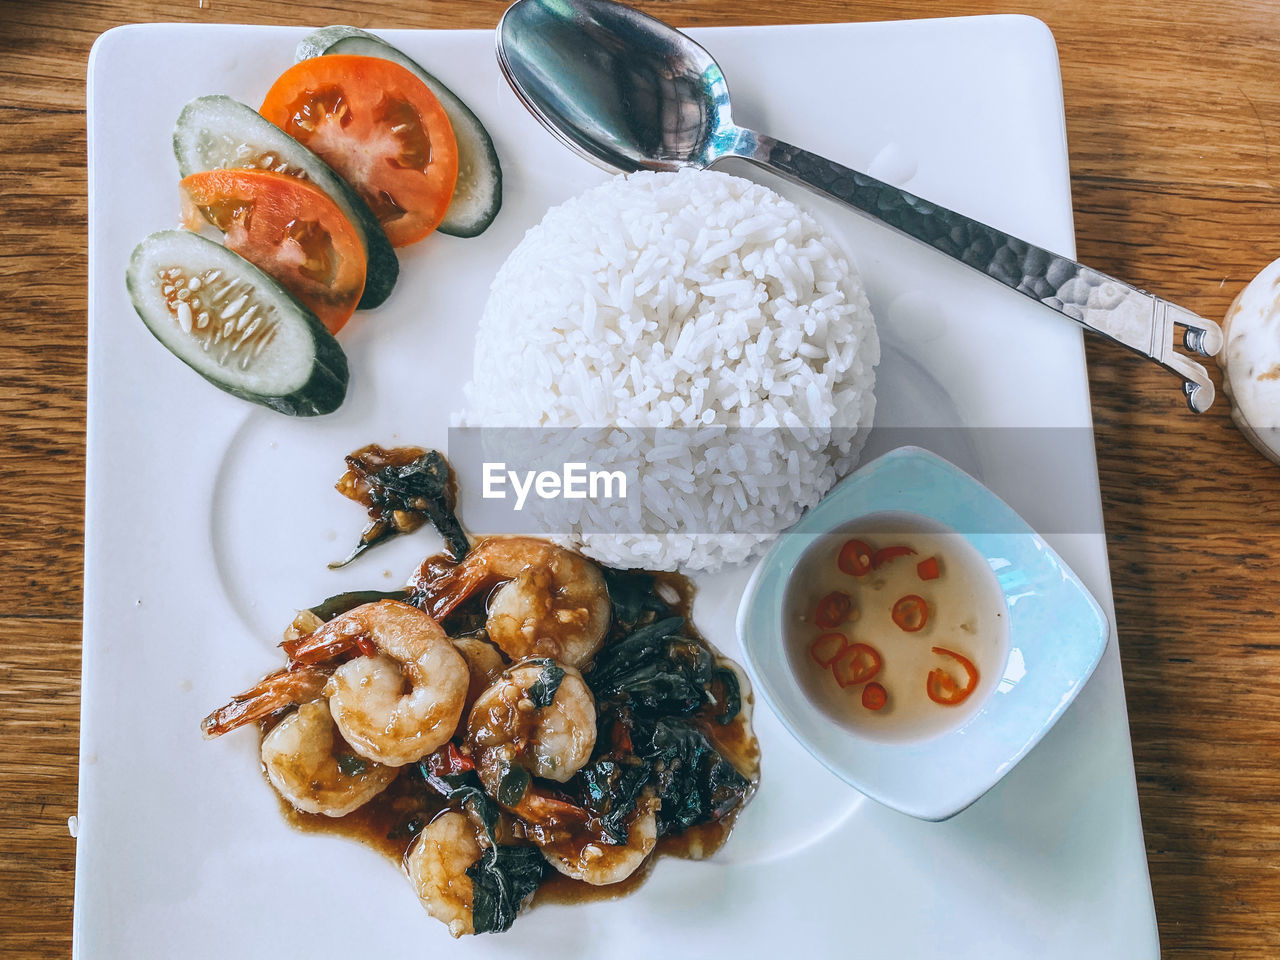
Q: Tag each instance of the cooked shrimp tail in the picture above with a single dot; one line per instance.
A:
(451, 589)
(548, 601)
(539, 807)
(275, 692)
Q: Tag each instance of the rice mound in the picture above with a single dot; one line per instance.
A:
(706, 306)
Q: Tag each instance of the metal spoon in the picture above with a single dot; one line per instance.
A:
(630, 93)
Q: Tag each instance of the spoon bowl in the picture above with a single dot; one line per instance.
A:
(630, 93)
(615, 85)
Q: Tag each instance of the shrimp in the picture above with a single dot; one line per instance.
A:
(552, 602)
(584, 857)
(284, 688)
(437, 867)
(311, 767)
(484, 662)
(404, 697)
(506, 729)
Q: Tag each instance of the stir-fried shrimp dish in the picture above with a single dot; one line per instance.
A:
(518, 724)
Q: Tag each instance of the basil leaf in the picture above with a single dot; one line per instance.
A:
(695, 783)
(512, 786)
(463, 788)
(543, 690)
(418, 490)
(340, 603)
(349, 765)
(656, 671)
(502, 881)
(611, 789)
(643, 646)
(505, 876)
(732, 696)
(632, 596)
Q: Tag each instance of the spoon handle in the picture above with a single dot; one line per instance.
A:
(1103, 304)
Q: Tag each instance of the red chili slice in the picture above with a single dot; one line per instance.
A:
(621, 738)
(855, 558)
(885, 554)
(832, 610)
(874, 696)
(928, 569)
(827, 648)
(911, 613)
(942, 687)
(450, 760)
(857, 664)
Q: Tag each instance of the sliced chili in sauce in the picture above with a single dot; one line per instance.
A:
(857, 663)
(855, 558)
(874, 696)
(886, 554)
(827, 648)
(833, 610)
(911, 613)
(943, 688)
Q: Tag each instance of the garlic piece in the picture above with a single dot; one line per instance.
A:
(1250, 361)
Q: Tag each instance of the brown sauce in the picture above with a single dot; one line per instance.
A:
(390, 822)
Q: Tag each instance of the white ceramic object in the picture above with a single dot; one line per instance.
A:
(209, 522)
(1250, 361)
(1057, 633)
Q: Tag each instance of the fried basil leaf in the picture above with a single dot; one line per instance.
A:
(462, 788)
(611, 788)
(340, 603)
(731, 698)
(694, 782)
(655, 670)
(399, 496)
(505, 876)
(502, 881)
(543, 690)
(349, 765)
(633, 596)
(513, 786)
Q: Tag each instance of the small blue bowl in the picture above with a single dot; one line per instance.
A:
(1057, 633)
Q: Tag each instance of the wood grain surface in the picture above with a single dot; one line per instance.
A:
(1173, 118)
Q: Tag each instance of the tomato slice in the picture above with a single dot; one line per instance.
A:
(855, 558)
(827, 648)
(381, 128)
(942, 687)
(833, 610)
(874, 696)
(911, 613)
(858, 663)
(288, 228)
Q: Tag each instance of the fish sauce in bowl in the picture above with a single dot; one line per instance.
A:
(895, 627)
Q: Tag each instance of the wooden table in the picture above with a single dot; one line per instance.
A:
(1173, 119)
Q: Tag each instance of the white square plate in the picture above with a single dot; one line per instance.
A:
(209, 522)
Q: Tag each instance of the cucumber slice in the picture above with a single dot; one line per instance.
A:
(478, 195)
(216, 133)
(235, 326)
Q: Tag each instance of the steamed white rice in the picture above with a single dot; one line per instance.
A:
(697, 302)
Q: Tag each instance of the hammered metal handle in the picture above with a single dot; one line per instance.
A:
(1103, 304)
